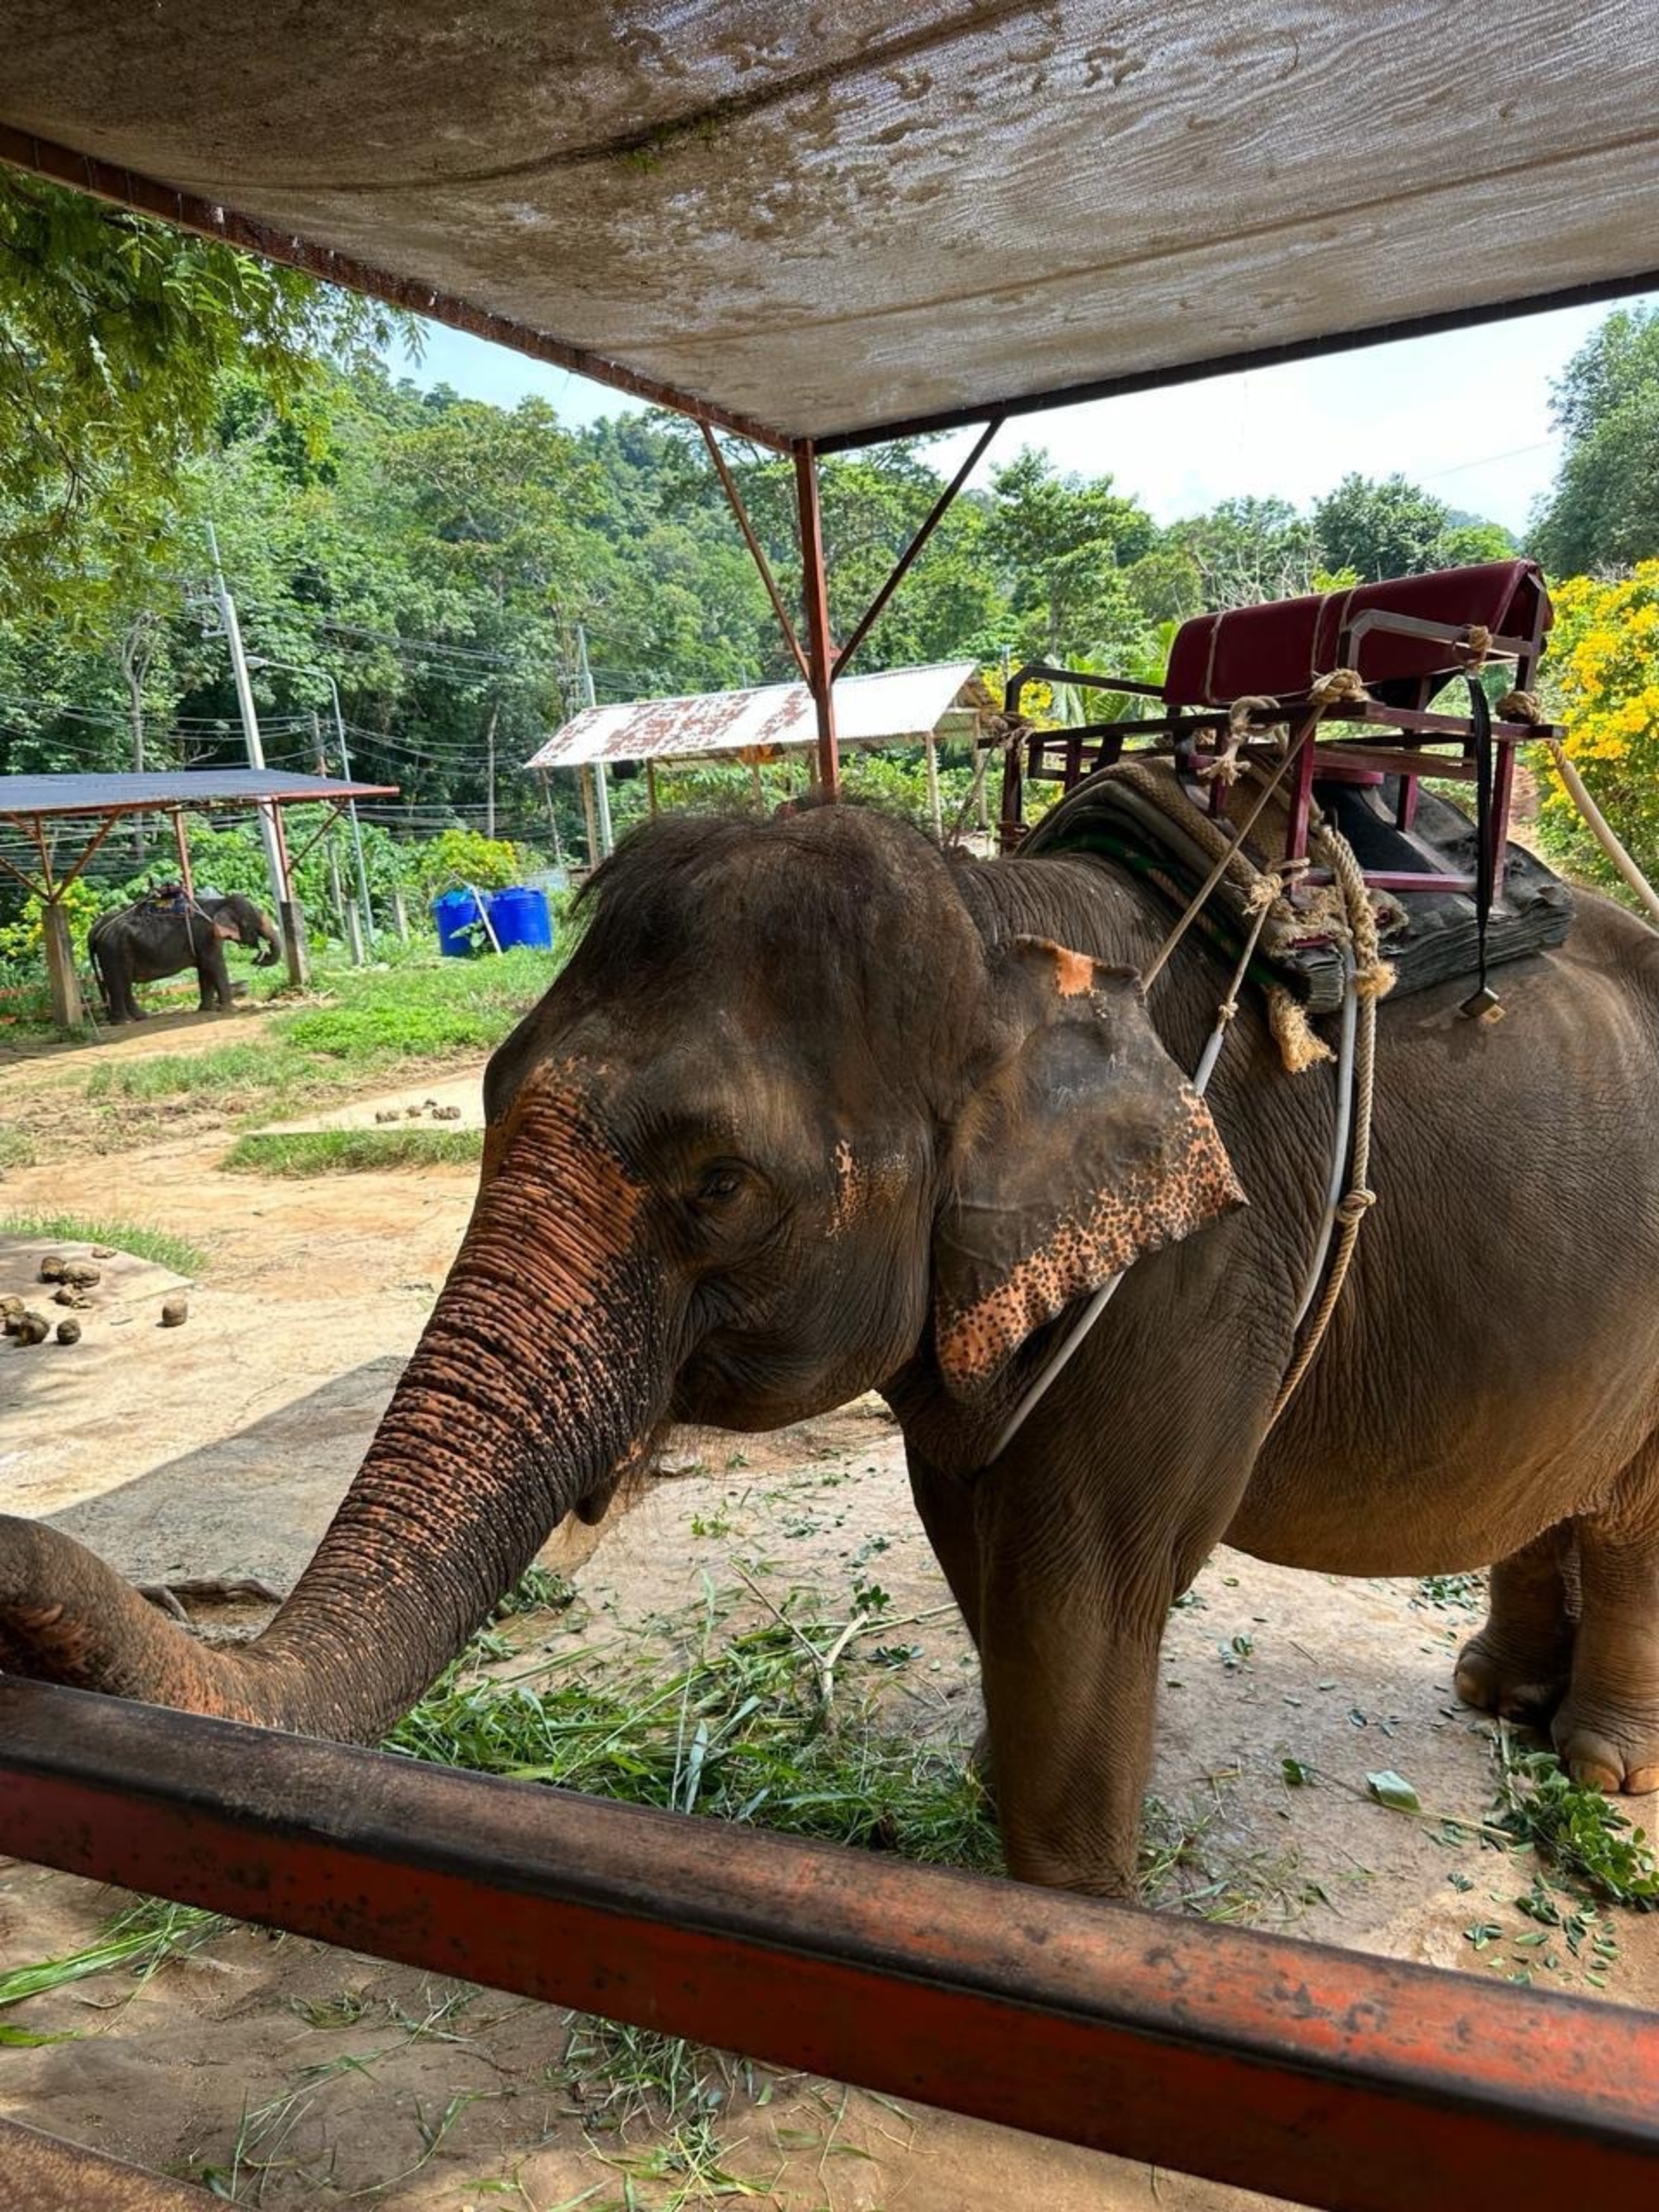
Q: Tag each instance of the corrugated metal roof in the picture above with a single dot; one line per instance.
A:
(898, 706)
(830, 219)
(40, 796)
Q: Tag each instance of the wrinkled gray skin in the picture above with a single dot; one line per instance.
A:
(142, 942)
(800, 1082)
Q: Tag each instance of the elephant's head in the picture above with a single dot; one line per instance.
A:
(240, 921)
(785, 1125)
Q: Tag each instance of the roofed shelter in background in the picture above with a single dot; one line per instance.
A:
(817, 227)
(50, 813)
(900, 706)
(814, 228)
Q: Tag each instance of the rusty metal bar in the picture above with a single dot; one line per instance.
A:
(821, 651)
(42, 2173)
(935, 515)
(1335, 2079)
(182, 845)
(757, 552)
(186, 210)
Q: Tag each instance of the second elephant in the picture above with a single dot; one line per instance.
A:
(155, 938)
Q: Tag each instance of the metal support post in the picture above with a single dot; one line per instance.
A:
(820, 652)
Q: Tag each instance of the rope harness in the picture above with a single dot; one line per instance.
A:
(1370, 978)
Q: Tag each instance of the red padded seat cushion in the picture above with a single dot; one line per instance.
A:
(1280, 649)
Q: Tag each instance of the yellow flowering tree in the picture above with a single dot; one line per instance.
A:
(1602, 675)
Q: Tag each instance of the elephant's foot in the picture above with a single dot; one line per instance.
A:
(1519, 1677)
(1608, 1747)
(218, 1591)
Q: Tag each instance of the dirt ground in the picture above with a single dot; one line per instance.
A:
(221, 1448)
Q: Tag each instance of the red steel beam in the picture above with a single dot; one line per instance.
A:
(188, 211)
(1329, 2077)
(757, 552)
(820, 647)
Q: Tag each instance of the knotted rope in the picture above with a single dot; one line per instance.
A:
(1373, 979)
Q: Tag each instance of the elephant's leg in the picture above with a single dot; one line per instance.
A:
(1074, 1598)
(1519, 1664)
(946, 1506)
(1607, 1728)
(214, 973)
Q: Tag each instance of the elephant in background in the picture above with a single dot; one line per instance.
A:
(813, 1110)
(164, 935)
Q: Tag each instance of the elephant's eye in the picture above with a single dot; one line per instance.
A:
(723, 1179)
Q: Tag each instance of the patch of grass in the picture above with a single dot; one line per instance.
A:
(16, 1146)
(452, 1006)
(740, 1732)
(370, 1022)
(160, 1245)
(223, 1074)
(141, 1940)
(350, 1152)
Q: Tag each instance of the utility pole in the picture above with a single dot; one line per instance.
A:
(489, 754)
(281, 887)
(602, 795)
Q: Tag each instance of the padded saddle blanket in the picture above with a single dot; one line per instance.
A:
(1430, 936)
(1281, 648)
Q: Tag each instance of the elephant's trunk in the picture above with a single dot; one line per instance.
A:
(272, 944)
(539, 1376)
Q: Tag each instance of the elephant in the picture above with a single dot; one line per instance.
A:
(815, 1108)
(162, 936)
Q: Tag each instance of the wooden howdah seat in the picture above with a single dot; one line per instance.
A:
(1246, 676)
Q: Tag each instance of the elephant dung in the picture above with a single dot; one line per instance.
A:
(81, 1275)
(68, 1332)
(11, 1307)
(445, 1113)
(387, 1114)
(67, 1296)
(175, 1310)
(52, 1267)
(104, 1251)
(30, 1328)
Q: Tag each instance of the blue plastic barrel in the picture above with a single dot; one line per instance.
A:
(455, 914)
(520, 916)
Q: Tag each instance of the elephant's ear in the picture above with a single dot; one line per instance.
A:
(1082, 1149)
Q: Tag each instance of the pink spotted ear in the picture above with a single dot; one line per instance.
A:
(1083, 1150)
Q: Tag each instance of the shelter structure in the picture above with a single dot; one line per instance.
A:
(819, 228)
(811, 229)
(64, 819)
(900, 706)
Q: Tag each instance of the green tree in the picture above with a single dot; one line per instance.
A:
(1603, 513)
(1381, 528)
(1062, 547)
(114, 334)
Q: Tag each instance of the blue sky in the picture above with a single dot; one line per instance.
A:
(1466, 415)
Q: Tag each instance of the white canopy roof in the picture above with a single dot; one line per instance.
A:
(827, 222)
(902, 705)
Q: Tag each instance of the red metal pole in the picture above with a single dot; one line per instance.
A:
(820, 651)
(1329, 2077)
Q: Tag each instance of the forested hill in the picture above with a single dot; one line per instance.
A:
(439, 557)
